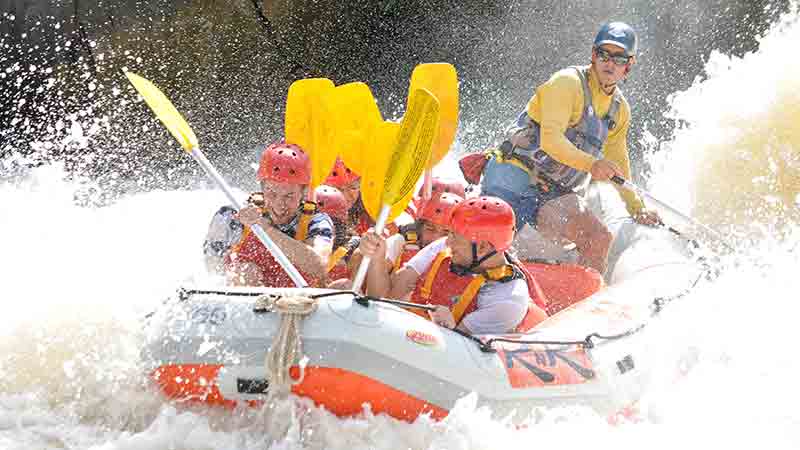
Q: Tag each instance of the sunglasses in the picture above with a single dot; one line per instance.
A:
(619, 59)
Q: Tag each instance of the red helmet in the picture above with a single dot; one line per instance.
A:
(439, 209)
(485, 219)
(442, 185)
(331, 201)
(340, 175)
(284, 163)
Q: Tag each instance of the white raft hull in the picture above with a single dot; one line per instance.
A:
(411, 357)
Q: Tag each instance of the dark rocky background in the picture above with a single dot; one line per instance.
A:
(227, 65)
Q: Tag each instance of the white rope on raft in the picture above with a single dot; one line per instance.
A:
(287, 346)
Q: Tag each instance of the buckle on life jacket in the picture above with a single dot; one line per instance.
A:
(308, 207)
(508, 154)
(502, 274)
(409, 232)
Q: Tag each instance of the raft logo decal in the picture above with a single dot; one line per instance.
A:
(422, 338)
(543, 366)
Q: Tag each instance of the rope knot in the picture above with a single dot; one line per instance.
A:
(287, 346)
(297, 304)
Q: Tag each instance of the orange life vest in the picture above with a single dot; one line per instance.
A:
(337, 267)
(365, 223)
(460, 293)
(408, 252)
(250, 249)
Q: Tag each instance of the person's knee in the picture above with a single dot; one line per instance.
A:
(592, 235)
(602, 238)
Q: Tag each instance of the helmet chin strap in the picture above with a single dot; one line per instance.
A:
(459, 269)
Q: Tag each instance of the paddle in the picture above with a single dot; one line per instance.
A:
(307, 125)
(382, 142)
(441, 80)
(353, 113)
(410, 155)
(182, 132)
(632, 187)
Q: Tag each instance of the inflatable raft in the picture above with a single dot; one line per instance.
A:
(210, 346)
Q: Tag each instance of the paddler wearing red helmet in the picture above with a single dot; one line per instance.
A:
(476, 286)
(304, 235)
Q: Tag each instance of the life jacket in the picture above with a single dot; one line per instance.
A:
(460, 293)
(337, 263)
(250, 249)
(365, 223)
(307, 211)
(588, 135)
(337, 267)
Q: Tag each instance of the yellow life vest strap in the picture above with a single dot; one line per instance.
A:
(465, 299)
(425, 291)
(397, 262)
(498, 155)
(307, 212)
(501, 273)
(535, 179)
(336, 256)
(246, 232)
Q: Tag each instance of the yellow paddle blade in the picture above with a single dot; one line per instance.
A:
(354, 114)
(383, 140)
(418, 132)
(410, 154)
(165, 111)
(441, 80)
(307, 126)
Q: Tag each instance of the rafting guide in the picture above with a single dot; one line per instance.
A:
(573, 130)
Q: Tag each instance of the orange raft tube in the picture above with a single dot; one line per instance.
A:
(564, 284)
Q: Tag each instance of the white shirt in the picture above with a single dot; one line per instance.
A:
(500, 306)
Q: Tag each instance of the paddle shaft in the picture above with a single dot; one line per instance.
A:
(362, 268)
(427, 185)
(632, 187)
(262, 235)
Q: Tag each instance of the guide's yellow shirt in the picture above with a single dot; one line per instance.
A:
(558, 104)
